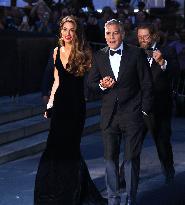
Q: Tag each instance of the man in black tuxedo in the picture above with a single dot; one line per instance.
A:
(163, 65)
(121, 73)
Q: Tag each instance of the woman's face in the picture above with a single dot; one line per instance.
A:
(68, 32)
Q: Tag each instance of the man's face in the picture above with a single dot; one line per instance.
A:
(144, 38)
(113, 36)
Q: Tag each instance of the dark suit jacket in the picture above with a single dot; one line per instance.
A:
(133, 89)
(163, 81)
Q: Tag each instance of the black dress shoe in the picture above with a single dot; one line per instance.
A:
(130, 201)
(169, 177)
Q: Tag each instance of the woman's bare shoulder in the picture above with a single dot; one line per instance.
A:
(55, 52)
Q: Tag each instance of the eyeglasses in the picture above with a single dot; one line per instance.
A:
(144, 37)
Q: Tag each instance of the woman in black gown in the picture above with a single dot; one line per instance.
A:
(62, 177)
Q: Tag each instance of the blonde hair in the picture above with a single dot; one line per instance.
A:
(80, 57)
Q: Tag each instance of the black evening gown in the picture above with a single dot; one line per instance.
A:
(62, 177)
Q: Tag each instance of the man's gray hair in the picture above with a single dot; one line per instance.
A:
(115, 22)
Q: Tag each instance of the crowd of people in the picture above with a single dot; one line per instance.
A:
(135, 83)
(44, 18)
(145, 78)
(137, 96)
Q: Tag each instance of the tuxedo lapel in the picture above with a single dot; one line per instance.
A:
(124, 59)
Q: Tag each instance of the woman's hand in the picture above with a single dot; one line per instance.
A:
(45, 115)
(48, 112)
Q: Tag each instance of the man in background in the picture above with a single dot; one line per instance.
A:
(163, 64)
(120, 72)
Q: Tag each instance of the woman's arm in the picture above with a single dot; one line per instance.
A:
(53, 90)
(55, 83)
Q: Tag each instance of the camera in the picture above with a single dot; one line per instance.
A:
(149, 52)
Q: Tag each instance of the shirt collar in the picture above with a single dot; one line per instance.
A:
(154, 45)
(120, 47)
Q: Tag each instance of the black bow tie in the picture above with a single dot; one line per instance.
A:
(113, 52)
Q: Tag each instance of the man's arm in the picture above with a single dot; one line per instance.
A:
(146, 84)
(94, 77)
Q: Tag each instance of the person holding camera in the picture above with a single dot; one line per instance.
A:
(24, 26)
(163, 63)
(44, 25)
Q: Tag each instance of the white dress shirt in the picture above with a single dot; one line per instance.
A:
(115, 63)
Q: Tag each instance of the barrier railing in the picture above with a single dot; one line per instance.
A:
(23, 58)
(22, 62)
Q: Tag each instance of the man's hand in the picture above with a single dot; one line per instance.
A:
(107, 82)
(157, 56)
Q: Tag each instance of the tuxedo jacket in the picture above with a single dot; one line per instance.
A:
(162, 80)
(132, 91)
